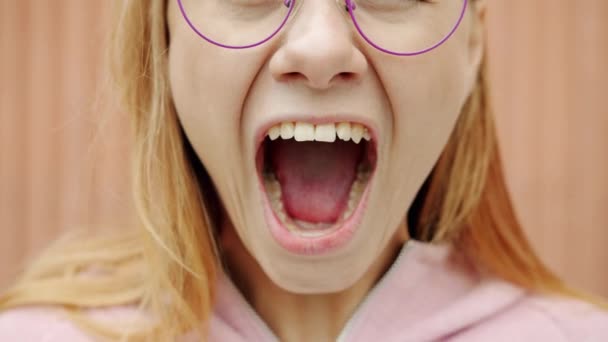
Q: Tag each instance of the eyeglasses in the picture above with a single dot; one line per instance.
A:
(396, 27)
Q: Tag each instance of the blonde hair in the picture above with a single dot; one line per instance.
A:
(168, 268)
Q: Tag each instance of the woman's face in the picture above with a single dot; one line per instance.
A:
(288, 200)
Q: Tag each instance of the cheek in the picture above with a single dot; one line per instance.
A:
(208, 87)
(426, 100)
(430, 109)
(427, 97)
(208, 93)
(199, 91)
(429, 91)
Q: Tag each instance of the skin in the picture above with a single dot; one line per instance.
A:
(223, 96)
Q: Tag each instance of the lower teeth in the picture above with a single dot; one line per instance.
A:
(309, 229)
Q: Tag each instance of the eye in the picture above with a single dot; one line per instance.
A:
(252, 2)
(249, 10)
(391, 5)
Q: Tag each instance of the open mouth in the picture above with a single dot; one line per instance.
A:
(315, 179)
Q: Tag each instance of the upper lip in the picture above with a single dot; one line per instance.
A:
(262, 130)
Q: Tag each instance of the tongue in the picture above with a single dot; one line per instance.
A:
(315, 177)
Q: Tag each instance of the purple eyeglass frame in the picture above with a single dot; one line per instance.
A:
(350, 5)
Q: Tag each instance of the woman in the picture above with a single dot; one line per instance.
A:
(305, 172)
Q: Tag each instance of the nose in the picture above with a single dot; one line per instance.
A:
(318, 48)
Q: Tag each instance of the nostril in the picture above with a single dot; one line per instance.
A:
(343, 77)
(292, 76)
(346, 76)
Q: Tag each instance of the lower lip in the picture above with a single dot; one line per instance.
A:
(334, 240)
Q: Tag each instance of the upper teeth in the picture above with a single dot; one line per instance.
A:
(302, 131)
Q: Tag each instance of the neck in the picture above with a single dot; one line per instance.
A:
(302, 317)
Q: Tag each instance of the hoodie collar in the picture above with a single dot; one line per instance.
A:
(428, 293)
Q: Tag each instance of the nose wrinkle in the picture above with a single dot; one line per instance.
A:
(318, 47)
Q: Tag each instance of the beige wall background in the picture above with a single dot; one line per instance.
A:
(64, 162)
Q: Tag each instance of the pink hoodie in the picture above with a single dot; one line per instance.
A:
(427, 295)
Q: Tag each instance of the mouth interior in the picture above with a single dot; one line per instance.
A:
(315, 185)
